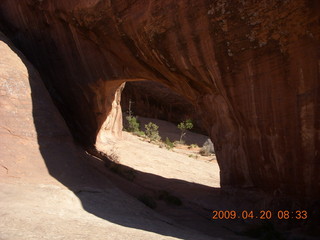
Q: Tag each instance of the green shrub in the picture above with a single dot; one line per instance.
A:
(133, 124)
(184, 126)
(140, 134)
(169, 144)
(152, 131)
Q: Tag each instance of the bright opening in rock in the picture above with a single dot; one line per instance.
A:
(174, 155)
(161, 173)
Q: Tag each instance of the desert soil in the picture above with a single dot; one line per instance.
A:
(182, 162)
(79, 203)
(181, 171)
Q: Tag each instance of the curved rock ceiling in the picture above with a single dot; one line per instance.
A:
(251, 68)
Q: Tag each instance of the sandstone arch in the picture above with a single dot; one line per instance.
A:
(251, 68)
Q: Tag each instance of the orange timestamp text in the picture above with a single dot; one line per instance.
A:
(263, 214)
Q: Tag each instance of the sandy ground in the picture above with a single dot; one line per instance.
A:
(181, 171)
(53, 212)
(181, 162)
(49, 187)
(178, 163)
(58, 193)
(192, 178)
(78, 202)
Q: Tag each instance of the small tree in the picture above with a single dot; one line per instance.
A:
(129, 110)
(184, 126)
(133, 125)
(152, 131)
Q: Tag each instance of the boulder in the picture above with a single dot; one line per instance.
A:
(207, 148)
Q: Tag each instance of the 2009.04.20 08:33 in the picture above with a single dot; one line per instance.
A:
(263, 214)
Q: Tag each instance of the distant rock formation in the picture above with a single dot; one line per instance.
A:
(207, 148)
(250, 68)
(154, 100)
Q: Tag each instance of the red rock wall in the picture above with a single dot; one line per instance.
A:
(250, 67)
(34, 139)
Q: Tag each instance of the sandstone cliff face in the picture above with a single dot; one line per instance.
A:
(251, 68)
(35, 142)
(31, 128)
(112, 126)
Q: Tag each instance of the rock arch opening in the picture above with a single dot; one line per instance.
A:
(166, 180)
(251, 70)
(151, 99)
(153, 102)
(256, 86)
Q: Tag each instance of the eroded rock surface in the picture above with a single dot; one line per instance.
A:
(112, 126)
(251, 68)
(30, 125)
(48, 190)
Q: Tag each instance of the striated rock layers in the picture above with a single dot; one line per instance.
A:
(251, 69)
